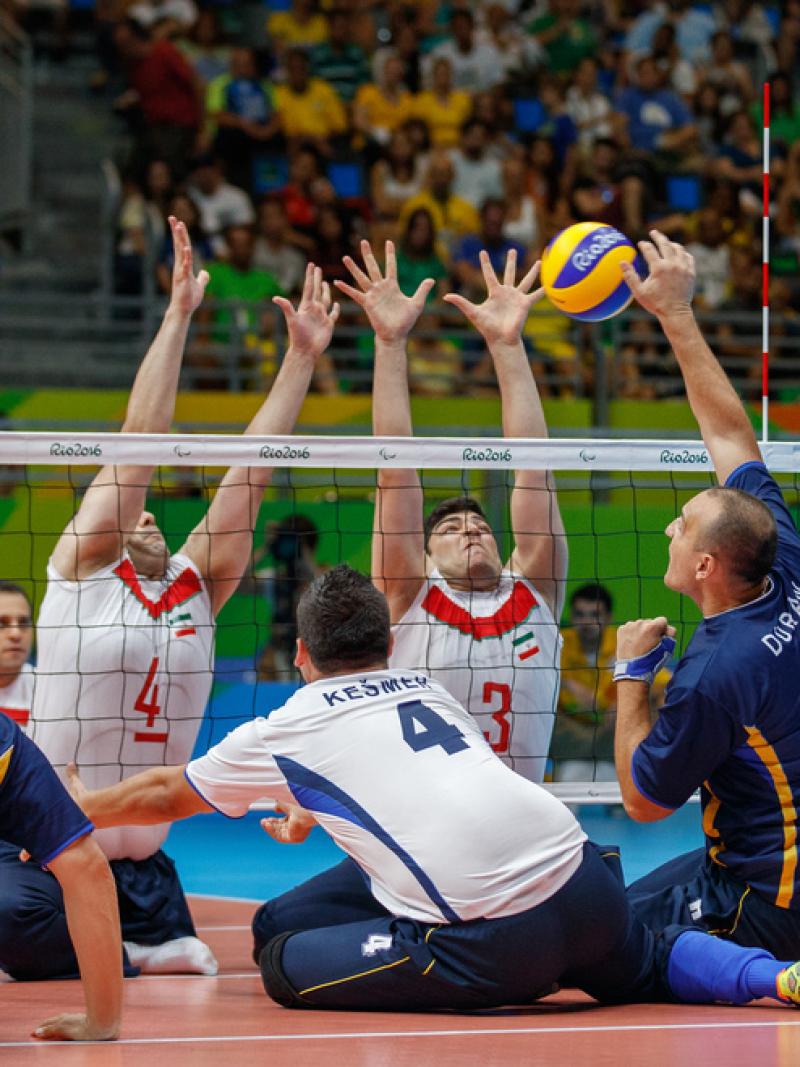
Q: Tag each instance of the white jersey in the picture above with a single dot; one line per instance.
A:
(399, 775)
(16, 699)
(124, 670)
(498, 653)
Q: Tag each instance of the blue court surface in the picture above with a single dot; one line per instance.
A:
(235, 858)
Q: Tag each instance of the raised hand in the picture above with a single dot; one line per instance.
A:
(391, 314)
(187, 290)
(502, 315)
(669, 287)
(293, 829)
(311, 325)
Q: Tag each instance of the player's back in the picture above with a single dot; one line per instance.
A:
(403, 779)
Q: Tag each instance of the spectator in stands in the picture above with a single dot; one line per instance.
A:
(675, 72)
(652, 122)
(334, 241)
(395, 178)
(712, 260)
(308, 107)
(186, 211)
(404, 45)
(589, 109)
(608, 192)
(784, 112)
(434, 360)
(496, 113)
(220, 203)
(273, 252)
(728, 75)
(339, 61)
(787, 218)
(751, 28)
(383, 106)
(477, 174)
(419, 255)
(304, 169)
(733, 339)
(558, 127)
(166, 94)
(523, 222)
(788, 43)
(544, 175)
(302, 26)
(708, 119)
(442, 107)
(565, 35)
(582, 748)
(466, 256)
(693, 29)
(283, 568)
(241, 106)
(16, 642)
(519, 53)
(475, 66)
(204, 48)
(452, 216)
(740, 159)
(141, 225)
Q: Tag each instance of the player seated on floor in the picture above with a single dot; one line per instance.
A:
(730, 724)
(478, 888)
(38, 815)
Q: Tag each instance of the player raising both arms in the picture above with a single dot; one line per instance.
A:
(126, 641)
(486, 631)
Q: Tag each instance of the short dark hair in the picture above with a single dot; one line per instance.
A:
(452, 506)
(12, 587)
(595, 592)
(343, 620)
(743, 533)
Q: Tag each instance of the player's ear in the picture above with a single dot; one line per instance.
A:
(706, 566)
(301, 654)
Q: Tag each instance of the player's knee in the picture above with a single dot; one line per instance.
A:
(276, 984)
(265, 927)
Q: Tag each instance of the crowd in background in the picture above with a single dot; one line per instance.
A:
(288, 131)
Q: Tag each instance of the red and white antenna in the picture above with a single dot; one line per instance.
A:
(765, 277)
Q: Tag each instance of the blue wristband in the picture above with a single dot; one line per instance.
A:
(645, 668)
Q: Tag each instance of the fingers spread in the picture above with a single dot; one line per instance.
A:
(357, 273)
(370, 262)
(510, 273)
(355, 294)
(488, 271)
(530, 277)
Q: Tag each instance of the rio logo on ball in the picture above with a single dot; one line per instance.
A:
(581, 271)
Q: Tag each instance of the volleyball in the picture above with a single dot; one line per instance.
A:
(581, 271)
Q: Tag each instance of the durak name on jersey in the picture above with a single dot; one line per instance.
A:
(364, 689)
(784, 633)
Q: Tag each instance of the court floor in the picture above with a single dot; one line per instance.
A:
(228, 1019)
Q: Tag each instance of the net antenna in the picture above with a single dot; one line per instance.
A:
(765, 272)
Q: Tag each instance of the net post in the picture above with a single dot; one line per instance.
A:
(765, 272)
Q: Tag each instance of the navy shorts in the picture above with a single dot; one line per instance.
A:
(585, 936)
(34, 939)
(692, 891)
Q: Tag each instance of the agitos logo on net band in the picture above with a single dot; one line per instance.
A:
(689, 457)
(486, 455)
(284, 452)
(59, 449)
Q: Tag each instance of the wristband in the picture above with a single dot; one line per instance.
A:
(645, 668)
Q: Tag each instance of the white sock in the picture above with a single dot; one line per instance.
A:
(184, 955)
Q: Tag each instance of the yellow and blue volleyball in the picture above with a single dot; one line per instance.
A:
(581, 271)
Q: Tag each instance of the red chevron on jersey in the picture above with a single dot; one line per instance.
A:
(185, 586)
(510, 614)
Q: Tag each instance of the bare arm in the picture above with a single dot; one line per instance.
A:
(222, 543)
(540, 551)
(633, 715)
(667, 294)
(90, 900)
(398, 551)
(161, 794)
(111, 507)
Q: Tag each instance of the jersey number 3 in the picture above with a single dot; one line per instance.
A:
(147, 703)
(424, 728)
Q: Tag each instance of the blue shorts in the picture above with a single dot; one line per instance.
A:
(34, 939)
(585, 936)
(692, 891)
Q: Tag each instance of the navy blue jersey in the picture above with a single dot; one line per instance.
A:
(36, 811)
(731, 722)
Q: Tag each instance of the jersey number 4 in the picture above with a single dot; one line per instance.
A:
(147, 703)
(424, 728)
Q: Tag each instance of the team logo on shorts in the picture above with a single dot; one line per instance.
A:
(376, 943)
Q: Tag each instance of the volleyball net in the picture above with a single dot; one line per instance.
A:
(616, 498)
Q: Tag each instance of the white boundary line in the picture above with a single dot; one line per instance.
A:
(361, 1035)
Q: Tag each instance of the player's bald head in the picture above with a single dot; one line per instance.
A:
(739, 529)
(343, 621)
